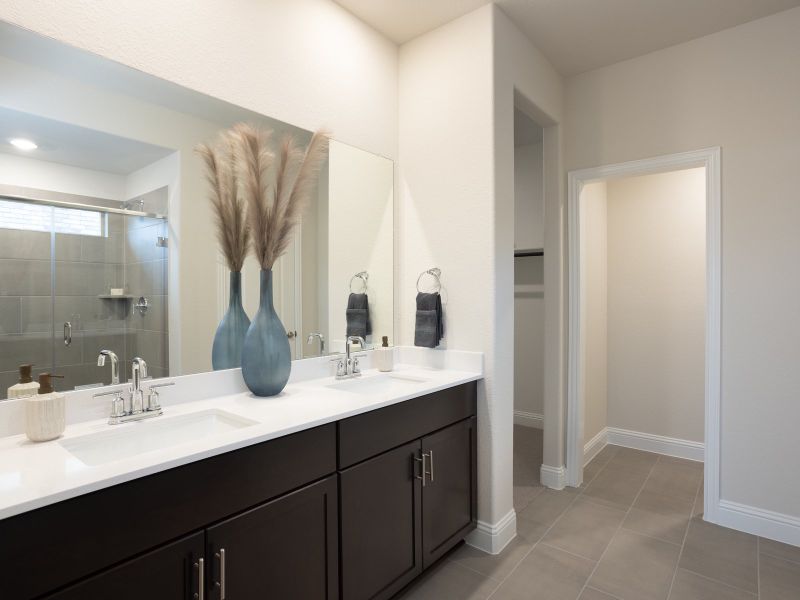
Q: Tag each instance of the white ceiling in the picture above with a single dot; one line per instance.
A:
(75, 146)
(577, 35)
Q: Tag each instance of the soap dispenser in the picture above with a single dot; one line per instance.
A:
(384, 356)
(26, 386)
(45, 412)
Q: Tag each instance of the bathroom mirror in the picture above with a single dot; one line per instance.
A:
(106, 232)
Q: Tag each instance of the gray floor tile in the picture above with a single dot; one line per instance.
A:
(547, 506)
(593, 594)
(616, 487)
(691, 586)
(779, 550)
(723, 554)
(523, 494)
(676, 480)
(585, 529)
(449, 581)
(496, 566)
(657, 515)
(531, 531)
(636, 567)
(779, 579)
(634, 461)
(699, 503)
(546, 574)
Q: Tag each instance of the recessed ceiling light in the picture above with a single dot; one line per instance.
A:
(23, 144)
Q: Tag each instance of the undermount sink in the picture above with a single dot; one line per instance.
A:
(377, 384)
(120, 442)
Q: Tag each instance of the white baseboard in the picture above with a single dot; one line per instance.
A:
(593, 447)
(528, 419)
(492, 538)
(758, 521)
(656, 443)
(553, 477)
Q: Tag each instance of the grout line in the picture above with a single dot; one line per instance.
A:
(683, 543)
(775, 556)
(575, 554)
(619, 528)
(758, 565)
(727, 585)
(589, 587)
(652, 537)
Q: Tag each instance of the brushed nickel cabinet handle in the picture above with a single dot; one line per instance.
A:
(422, 468)
(67, 333)
(200, 566)
(430, 461)
(221, 583)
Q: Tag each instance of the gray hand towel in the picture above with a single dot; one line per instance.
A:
(429, 329)
(358, 322)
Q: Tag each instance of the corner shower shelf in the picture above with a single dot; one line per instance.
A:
(116, 296)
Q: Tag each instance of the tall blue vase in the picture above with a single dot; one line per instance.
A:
(266, 356)
(226, 352)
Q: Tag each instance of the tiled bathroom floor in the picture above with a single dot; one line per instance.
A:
(633, 531)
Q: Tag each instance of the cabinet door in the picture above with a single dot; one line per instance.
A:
(286, 548)
(449, 494)
(171, 572)
(380, 524)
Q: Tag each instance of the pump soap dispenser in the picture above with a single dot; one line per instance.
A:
(45, 412)
(26, 386)
(384, 356)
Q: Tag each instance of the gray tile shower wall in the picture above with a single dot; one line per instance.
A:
(146, 275)
(33, 311)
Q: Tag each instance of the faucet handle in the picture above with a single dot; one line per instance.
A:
(117, 404)
(153, 396)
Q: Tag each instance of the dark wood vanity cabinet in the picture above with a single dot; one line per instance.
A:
(338, 511)
(402, 509)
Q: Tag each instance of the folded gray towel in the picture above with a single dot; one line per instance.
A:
(429, 329)
(358, 322)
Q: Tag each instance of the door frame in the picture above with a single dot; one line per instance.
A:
(709, 158)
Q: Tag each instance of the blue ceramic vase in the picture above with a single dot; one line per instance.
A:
(266, 355)
(226, 352)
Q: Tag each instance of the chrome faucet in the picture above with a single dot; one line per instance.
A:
(317, 334)
(349, 367)
(140, 403)
(138, 373)
(101, 362)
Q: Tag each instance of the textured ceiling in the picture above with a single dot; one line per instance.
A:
(577, 35)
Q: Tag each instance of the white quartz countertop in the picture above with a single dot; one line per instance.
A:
(35, 475)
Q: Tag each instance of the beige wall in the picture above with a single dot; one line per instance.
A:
(739, 89)
(656, 303)
(594, 263)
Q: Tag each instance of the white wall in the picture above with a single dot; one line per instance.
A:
(738, 89)
(656, 303)
(528, 197)
(55, 177)
(446, 214)
(594, 309)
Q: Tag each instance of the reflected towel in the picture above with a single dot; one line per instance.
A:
(429, 329)
(358, 322)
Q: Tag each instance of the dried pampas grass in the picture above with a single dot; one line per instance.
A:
(233, 230)
(277, 187)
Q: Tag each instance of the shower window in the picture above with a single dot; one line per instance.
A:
(58, 267)
(38, 217)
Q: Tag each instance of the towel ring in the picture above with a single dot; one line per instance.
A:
(436, 273)
(364, 277)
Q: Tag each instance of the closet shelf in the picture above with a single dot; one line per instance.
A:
(116, 297)
(531, 252)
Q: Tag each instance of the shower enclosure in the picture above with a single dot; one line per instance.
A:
(80, 275)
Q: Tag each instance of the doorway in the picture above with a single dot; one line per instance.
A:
(582, 437)
(529, 317)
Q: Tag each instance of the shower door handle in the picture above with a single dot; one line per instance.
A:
(67, 333)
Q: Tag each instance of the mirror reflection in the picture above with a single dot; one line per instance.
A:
(107, 239)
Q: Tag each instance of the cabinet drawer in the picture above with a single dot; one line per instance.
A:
(369, 434)
(92, 532)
